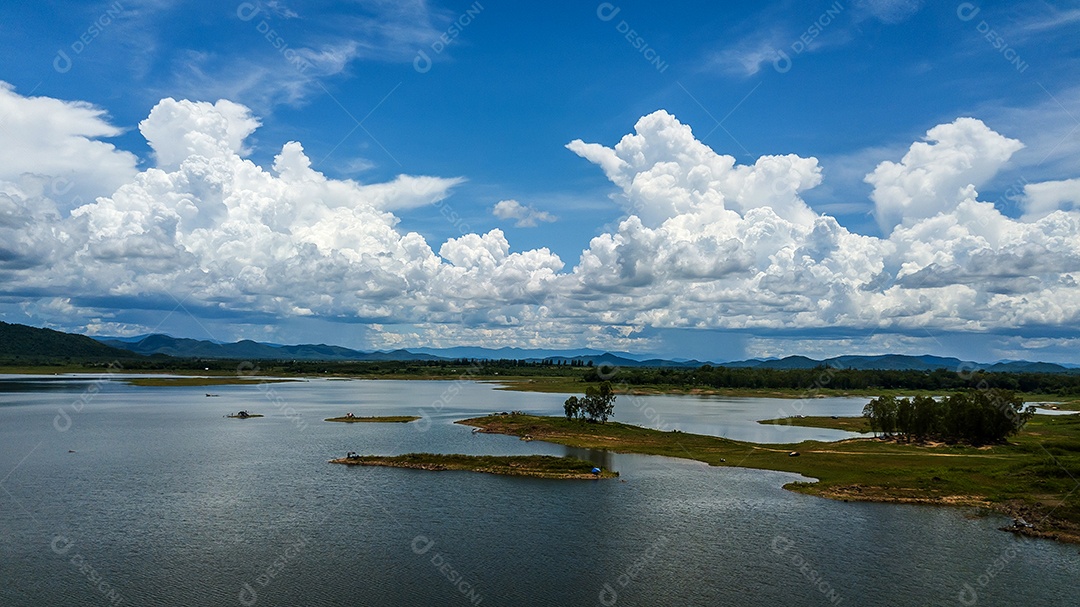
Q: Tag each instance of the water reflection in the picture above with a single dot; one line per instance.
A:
(601, 459)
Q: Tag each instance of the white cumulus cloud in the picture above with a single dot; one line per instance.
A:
(709, 243)
(523, 216)
(664, 171)
(937, 174)
(60, 142)
(177, 130)
(705, 242)
(1041, 199)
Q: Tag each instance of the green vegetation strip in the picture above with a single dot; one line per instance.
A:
(538, 466)
(1033, 476)
(571, 385)
(385, 419)
(574, 385)
(849, 424)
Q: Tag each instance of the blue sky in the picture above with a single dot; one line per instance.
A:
(481, 132)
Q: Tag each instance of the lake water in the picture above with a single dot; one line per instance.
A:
(114, 494)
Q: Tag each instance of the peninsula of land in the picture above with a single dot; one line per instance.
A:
(537, 466)
(1030, 478)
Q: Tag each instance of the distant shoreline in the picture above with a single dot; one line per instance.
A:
(519, 383)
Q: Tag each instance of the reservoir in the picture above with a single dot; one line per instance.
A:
(113, 494)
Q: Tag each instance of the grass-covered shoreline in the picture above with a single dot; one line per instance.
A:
(1031, 477)
(848, 424)
(536, 466)
(375, 419)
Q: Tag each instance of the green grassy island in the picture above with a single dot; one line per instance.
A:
(537, 466)
(848, 424)
(385, 419)
(1030, 477)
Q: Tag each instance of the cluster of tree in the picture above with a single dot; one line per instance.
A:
(562, 362)
(976, 416)
(839, 379)
(597, 405)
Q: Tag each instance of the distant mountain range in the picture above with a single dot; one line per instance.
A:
(23, 342)
(250, 350)
(20, 341)
(900, 362)
(191, 348)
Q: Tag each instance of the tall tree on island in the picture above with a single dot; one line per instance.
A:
(597, 406)
(573, 409)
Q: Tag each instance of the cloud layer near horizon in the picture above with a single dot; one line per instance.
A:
(706, 243)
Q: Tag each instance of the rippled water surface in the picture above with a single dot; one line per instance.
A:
(114, 494)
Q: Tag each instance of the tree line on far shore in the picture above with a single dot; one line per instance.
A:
(978, 417)
(830, 378)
